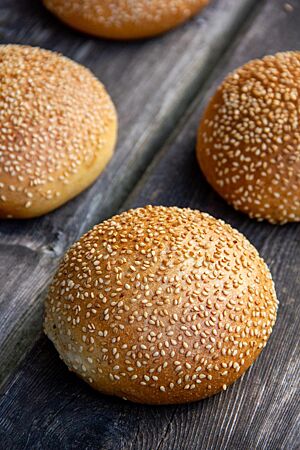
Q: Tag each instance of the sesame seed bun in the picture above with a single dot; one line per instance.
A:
(161, 305)
(57, 130)
(249, 141)
(124, 19)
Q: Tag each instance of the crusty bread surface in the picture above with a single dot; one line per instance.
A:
(161, 305)
(249, 140)
(124, 19)
(57, 130)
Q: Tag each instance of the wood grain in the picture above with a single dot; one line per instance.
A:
(45, 407)
(151, 82)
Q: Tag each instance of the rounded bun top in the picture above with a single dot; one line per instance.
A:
(57, 130)
(124, 19)
(249, 139)
(161, 305)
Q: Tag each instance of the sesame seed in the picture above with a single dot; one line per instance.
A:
(55, 119)
(230, 311)
(249, 148)
(127, 20)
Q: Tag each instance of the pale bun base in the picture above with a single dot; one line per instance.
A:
(147, 395)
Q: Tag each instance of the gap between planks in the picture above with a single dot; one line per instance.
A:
(260, 410)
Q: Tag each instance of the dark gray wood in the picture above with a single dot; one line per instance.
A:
(151, 82)
(45, 407)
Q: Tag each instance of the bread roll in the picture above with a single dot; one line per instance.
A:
(161, 305)
(124, 19)
(249, 140)
(57, 130)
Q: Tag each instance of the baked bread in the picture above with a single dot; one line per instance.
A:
(124, 19)
(57, 130)
(161, 305)
(249, 140)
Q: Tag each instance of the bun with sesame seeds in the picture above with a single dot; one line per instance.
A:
(124, 19)
(57, 130)
(249, 140)
(161, 305)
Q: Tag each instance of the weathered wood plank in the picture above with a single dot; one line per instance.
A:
(45, 407)
(151, 83)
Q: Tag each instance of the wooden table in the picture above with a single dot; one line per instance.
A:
(160, 87)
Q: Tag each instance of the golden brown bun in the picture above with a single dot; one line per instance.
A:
(249, 140)
(161, 305)
(124, 19)
(57, 130)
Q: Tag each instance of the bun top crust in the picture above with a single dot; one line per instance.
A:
(57, 130)
(161, 305)
(124, 19)
(249, 139)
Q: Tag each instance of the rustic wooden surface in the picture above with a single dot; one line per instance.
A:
(43, 406)
(151, 82)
